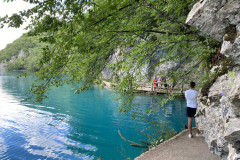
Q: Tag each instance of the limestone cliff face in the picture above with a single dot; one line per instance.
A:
(219, 110)
(148, 69)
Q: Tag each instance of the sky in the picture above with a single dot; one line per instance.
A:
(8, 35)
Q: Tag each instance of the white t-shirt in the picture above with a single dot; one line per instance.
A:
(191, 97)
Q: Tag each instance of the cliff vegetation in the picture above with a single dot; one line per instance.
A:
(23, 54)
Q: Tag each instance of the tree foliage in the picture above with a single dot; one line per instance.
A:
(29, 47)
(83, 34)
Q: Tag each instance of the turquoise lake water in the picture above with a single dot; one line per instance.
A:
(73, 126)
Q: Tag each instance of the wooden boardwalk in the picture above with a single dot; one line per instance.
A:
(149, 90)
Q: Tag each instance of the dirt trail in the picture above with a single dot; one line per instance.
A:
(180, 147)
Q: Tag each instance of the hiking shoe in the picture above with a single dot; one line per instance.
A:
(199, 135)
(190, 136)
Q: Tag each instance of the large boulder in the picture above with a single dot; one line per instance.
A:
(219, 19)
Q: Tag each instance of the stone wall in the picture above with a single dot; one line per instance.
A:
(218, 114)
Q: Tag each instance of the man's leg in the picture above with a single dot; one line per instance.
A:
(190, 125)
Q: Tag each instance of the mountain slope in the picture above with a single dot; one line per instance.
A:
(23, 53)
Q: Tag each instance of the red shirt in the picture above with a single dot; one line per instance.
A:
(154, 82)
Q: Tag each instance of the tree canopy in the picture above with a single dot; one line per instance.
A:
(84, 34)
(23, 54)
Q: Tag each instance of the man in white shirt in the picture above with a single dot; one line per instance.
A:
(191, 97)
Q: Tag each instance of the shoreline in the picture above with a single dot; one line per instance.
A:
(146, 90)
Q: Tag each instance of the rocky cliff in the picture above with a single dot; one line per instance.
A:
(219, 110)
(150, 69)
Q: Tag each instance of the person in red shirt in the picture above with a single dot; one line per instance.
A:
(154, 83)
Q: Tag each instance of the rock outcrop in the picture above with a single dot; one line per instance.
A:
(2, 66)
(219, 110)
(149, 70)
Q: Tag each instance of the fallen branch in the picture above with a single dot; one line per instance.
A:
(139, 145)
(134, 144)
(145, 142)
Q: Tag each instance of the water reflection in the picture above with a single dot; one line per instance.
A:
(68, 126)
(27, 132)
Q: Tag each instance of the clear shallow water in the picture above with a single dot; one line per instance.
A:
(67, 126)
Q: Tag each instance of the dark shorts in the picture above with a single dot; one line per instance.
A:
(191, 111)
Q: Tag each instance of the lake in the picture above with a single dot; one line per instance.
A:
(73, 126)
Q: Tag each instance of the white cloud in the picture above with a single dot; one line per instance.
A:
(8, 35)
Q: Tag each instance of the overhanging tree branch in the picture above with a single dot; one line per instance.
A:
(149, 31)
(104, 18)
(185, 26)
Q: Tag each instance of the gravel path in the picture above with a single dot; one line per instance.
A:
(180, 147)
